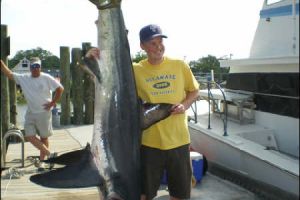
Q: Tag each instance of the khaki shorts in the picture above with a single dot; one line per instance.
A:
(176, 162)
(38, 124)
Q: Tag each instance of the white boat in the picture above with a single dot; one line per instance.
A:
(257, 142)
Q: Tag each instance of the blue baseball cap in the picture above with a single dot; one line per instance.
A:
(149, 32)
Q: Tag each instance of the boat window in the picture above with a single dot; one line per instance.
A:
(273, 1)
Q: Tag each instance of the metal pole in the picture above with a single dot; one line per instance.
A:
(17, 133)
(196, 112)
(225, 110)
(208, 91)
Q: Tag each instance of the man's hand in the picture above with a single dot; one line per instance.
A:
(49, 105)
(186, 103)
(58, 93)
(6, 71)
(178, 109)
(93, 53)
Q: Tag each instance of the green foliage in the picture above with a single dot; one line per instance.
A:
(49, 61)
(203, 66)
(206, 64)
(139, 56)
(20, 98)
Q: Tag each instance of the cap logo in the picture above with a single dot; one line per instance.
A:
(153, 28)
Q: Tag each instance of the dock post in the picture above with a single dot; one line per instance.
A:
(5, 51)
(77, 87)
(65, 118)
(89, 92)
(13, 106)
(13, 101)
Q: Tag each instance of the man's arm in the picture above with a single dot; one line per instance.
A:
(57, 95)
(6, 71)
(190, 98)
(186, 103)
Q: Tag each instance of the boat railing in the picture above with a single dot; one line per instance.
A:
(216, 105)
(210, 98)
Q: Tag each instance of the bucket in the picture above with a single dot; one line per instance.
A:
(55, 117)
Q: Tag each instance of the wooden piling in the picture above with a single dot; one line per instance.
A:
(5, 50)
(65, 118)
(89, 91)
(13, 101)
(77, 87)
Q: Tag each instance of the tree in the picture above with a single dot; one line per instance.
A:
(139, 56)
(204, 65)
(49, 61)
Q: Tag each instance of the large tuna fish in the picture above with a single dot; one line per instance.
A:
(112, 161)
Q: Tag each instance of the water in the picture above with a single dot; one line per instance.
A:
(21, 110)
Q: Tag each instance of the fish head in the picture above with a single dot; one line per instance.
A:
(153, 113)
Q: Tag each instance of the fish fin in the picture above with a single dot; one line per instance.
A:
(78, 175)
(153, 113)
(70, 157)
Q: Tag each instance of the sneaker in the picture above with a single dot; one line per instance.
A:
(52, 155)
(36, 162)
(41, 167)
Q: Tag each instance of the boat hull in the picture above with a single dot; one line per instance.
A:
(246, 159)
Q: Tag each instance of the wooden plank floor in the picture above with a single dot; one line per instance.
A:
(211, 187)
(22, 189)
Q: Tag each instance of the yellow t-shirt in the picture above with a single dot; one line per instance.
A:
(167, 82)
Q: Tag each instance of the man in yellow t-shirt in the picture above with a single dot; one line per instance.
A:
(165, 145)
(167, 82)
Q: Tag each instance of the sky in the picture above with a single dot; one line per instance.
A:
(195, 28)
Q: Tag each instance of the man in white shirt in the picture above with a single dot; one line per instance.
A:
(37, 88)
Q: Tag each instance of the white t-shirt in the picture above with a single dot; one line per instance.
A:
(38, 90)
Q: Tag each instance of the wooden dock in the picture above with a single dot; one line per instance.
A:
(18, 186)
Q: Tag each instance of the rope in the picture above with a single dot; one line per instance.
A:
(13, 173)
(6, 187)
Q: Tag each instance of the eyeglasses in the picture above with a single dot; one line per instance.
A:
(35, 66)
